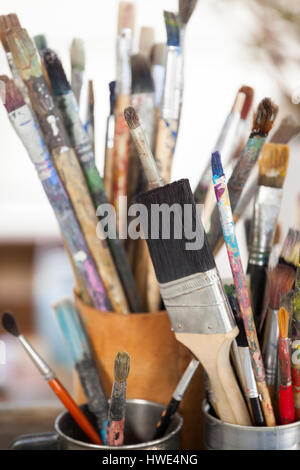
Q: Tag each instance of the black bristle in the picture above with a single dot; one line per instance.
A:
(241, 338)
(141, 77)
(112, 96)
(56, 73)
(171, 258)
(10, 324)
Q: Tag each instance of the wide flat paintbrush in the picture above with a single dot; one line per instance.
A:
(296, 346)
(109, 144)
(10, 325)
(262, 124)
(170, 104)
(123, 93)
(66, 102)
(77, 56)
(290, 252)
(66, 162)
(273, 163)
(286, 399)
(23, 121)
(78, 344)
(223, 202)
(190, 284)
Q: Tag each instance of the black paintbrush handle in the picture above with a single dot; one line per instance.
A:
(166, 418)
(258, 277)
(257, 412)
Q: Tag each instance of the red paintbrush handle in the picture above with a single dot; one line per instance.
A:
(75, 411)
(286, 405)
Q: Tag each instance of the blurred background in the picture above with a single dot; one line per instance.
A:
(229, 43)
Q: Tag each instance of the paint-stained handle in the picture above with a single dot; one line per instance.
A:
(165, 146)
(286, 405)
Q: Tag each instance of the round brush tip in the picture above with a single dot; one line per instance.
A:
(9, 324)
(122, 366)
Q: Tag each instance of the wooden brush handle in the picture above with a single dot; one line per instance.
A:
(213, 352)
(165, 146)
(108, 173)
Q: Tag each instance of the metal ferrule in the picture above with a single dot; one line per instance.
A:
(170, 105)
(124, 47)
(41, 365)
(248, 372)
(266, 210)
(146, 157)
(27, 129)
(185, 379)
(270, 346)
(110, 131)
(198, 304)
(158, 73)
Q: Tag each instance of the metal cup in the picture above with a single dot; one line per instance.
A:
(225, 436)
(141, 419)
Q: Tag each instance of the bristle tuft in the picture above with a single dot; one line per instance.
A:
(186, 9)
(158, 54)
(142, 81)
(290, 251)
(10, 94)
(287, 129)
(249, 92)
(172, 22)
(273, 164)
(56, 73)
(24, 53)
(264, 117)
(280, 282)
(122, 366)
(216, 165)
(126, 16)
(9, 324)
(40, 42)
(112, 96)
(77, 53)
(131, 117)
(283, 322)
(146, 40)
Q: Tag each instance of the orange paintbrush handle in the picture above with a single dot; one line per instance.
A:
(75, 411)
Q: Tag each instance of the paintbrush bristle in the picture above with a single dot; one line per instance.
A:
(9, 324)
(249, 92)
(141, 77)
(12, 97)
(273, 164)
(172, 22)
(287, 129)
(280, 282)
(112, 96)
(186, 9)
(126, 16)
(290, 251)
(158, 54)
(56, 73)
(146, 40)
(283, 322)
(122, 366)
(239, 102)
(171, 257)
(12, 21)
(264, 117)
(77, 54)
(7, 22)
(40, 42)
(131, 117)
(24, 53)
(216, 165)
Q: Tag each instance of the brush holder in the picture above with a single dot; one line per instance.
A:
(157, 362)
(141, 418)
(225, 436)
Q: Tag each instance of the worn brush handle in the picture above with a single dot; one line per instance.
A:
(121, 155)
(213, 352)
(109, 172)
(286, 405)
(165, 146)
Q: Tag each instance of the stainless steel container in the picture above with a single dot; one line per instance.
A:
(141, 419)
(225, 436)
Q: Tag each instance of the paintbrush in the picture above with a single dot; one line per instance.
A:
(158, 61)
(262, 124)
(295, 358)
(77, 56)
(77, 341)
(280, 281)
(117, 406)
(190, 284)
(287, 129)
(223, 203)
(168, 123)
(123, 92)
(273, 163)
(286, 399)
(109, 143)
(65, 159)
(66, 102)
(146, 41)
(23, 121)
(290, 251)
(40, 42)
(89, 124)
(10, 325)
(169, 412)
(242, 128)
